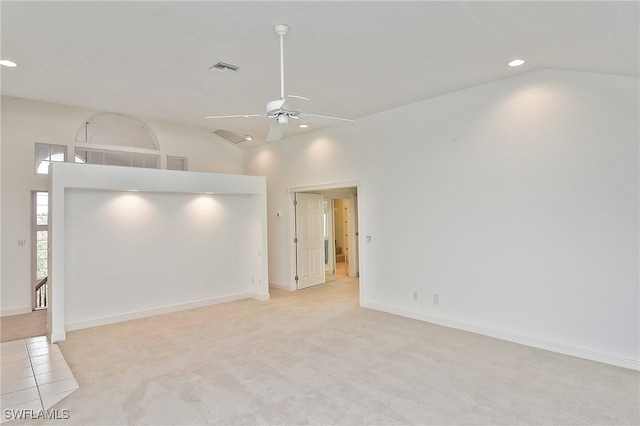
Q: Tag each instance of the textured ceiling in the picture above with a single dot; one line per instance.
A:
(351, 59)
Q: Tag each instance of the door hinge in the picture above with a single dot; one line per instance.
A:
(296, 278)
(295, 240)
(295, 202)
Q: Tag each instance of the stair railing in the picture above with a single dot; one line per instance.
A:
(41, 294)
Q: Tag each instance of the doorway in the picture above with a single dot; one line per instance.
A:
(39, 248)
(337, 231)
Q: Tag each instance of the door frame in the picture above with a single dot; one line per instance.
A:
(331, 264)
(292, 230)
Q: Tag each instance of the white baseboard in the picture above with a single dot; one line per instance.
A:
(510, 337)
(257, 296)
(284, 287)
(95, 322)
(55, 337)
(15, 311)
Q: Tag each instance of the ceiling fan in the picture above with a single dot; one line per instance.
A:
(286, 108)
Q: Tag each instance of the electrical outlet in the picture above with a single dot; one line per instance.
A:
(415, 295)
(436, 298)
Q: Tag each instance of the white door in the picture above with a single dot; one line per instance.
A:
(310, 239)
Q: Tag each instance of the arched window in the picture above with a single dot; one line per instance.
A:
(108, 128)
(119, 140)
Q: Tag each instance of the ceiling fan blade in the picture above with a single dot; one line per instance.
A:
(276, 131)
(324, 120)
(292, 103)
(237, 116)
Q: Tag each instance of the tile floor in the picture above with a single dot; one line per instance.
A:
(35, 375)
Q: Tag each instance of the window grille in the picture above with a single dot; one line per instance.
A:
(47, 154)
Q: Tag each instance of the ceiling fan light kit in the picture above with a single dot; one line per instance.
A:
(285, 108)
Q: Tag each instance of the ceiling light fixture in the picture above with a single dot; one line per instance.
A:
(516, 63)
(248, 137)
(8, 63)
(303, 125)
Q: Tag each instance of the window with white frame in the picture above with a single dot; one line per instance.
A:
(107, 128)
(116, 140)
(47, 154)
(117, 158)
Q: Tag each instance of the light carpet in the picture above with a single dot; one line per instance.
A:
(22, 326)
(315, 357)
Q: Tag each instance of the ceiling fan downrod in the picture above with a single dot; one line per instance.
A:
(281, 30)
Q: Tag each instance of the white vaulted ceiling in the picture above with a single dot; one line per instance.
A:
(351, 59)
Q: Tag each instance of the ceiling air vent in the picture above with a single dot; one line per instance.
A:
(224, 68)
(230, 136)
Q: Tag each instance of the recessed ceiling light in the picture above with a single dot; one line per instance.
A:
(516, 63)
(303, 125)
(8, 63)
(248, 137)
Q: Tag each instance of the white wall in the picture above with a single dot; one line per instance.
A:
(181, 240)
(516, 201)
(26, 122)
(130, 252)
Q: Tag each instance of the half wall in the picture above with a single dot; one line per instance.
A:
(128, 243)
